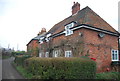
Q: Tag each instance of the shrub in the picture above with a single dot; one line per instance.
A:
(19, 60)
(61, 68)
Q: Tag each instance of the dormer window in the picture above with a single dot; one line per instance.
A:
(41, 40)
(70, 25)
(48, 37)
(68, 31)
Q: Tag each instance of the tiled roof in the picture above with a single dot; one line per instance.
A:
(85, 16)
(38, 37)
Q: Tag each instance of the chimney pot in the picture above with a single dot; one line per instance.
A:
(73, 3)
(75, 7)
(42, 31)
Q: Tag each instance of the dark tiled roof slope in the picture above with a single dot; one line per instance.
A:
(84, 16)
(37, 37)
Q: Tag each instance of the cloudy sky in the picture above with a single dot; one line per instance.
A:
(21, 20)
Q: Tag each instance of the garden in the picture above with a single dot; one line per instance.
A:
(60, 68)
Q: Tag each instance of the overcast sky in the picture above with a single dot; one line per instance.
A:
(21, 20)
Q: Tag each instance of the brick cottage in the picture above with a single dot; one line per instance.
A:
(84, 33)
(33, 45)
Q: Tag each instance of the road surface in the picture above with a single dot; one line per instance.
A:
(8, 71)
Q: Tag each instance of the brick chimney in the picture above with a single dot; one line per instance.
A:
(42, 31)
(75, 7)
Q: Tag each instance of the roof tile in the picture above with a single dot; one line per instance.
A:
(84, 16)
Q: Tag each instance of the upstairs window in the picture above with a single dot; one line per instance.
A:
(70, 25)
(115, 55)
(41, 40)
(68, 53)
(48, 37)
(68, 31)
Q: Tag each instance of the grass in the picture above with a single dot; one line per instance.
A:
(108, 75)
(23, 71)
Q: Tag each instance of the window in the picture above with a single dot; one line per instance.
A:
(115, 56)
(47, 54)
(68, 30)
(70, 25)
(68, 54)
(41, 40)
(40, 54)
(48, 37)
(55, 53)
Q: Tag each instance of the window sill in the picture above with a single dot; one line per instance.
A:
(115, 63)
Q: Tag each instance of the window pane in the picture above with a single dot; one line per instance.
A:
(113, 52)
(113, 56)
(67, 32)
(67, 27)
(67, 53)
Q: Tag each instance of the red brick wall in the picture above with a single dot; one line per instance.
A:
(100, 48)
(72, 40)
(92, 44)
(32, 47)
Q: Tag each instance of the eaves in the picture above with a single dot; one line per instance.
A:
(87, 27)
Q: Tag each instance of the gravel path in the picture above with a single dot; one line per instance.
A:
(8, 71)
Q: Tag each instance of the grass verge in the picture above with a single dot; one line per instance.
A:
(23, 71)
(108, 75)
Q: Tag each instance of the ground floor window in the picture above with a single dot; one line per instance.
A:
(115, 55)
(47, 54)
(68, 53)
(55, 53)
(40, 54)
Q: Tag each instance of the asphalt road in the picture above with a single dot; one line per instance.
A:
(0, 69)
(8, 71)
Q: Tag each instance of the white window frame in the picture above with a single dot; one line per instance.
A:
(48, 35)
(47, 39)
(70, 25)
(40, 54)
(55, 53)
(40, 40)
(68, 31)
(114, 55)
(47, 54)
(68, 53)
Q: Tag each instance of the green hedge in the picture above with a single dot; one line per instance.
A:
(61, 68)
(19, 60)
